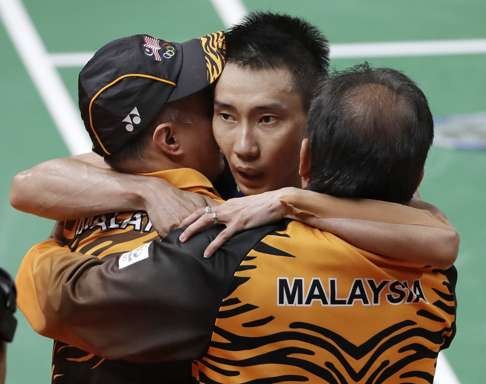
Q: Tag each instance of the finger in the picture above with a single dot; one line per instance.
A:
(193, 217)
(222, 238)
(199, 225)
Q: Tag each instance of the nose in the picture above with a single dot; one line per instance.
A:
(246, 146)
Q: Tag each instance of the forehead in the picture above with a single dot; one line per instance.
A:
(240, 85)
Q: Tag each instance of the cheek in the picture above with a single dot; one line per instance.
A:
(284, 144)
(223, 139)
(282, 154)
(277, 155)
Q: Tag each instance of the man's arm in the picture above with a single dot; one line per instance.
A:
(156, 309)
(418, 233)
(84, 185)
(302, 202)
(65, 188)
(157, 303)
(72, 187)
(417, 245)
(391, 230)
(40, 279)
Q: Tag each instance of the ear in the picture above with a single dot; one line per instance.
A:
(165, 139)
(304, 163)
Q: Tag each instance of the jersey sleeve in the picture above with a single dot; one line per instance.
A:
(158, 302)
(40, 280)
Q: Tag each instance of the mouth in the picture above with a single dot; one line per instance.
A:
(249, 177)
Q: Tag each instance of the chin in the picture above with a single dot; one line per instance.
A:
(253, 190)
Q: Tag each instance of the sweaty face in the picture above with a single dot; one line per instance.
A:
(195, 134)
(259, 123)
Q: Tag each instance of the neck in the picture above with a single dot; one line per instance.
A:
(149, 163)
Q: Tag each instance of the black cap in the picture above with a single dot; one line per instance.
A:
(126, 83)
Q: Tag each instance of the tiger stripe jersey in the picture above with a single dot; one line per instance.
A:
(119, 232)
(92, 239)
(281, 303)
(309, 307)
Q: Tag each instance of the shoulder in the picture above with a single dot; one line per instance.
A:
(238, 246)
(302, 236)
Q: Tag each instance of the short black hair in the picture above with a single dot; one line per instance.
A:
(265, 40)
(134, 150)
(131, 151)
(369, 134)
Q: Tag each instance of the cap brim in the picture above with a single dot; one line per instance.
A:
(202, 64)
(192, 77)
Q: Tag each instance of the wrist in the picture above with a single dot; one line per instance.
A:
(136, 191)
(287, 195)
(283, 200)
(147, 192)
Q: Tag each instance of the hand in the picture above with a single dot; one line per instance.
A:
(167, 206)
(237, 215)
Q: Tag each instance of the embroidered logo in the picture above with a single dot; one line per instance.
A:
(133, 118)
(169, 51)
(132, 257)
(152, 47)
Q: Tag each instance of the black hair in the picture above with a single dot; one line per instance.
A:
(369, 134)
(265, 40)
(134, 150)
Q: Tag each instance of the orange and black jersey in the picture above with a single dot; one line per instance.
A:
(310, 307)
(282, 303)
(93, 239)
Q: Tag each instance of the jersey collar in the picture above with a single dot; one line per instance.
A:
(183, 178)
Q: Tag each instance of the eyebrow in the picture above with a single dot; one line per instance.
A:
(270, 106)
(219, 104)
(275, 105)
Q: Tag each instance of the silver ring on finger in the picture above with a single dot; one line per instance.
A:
(215, 217)
(208, 209)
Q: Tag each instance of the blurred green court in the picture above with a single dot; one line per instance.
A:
(454, 83)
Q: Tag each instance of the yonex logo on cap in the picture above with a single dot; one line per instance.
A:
(133, 118)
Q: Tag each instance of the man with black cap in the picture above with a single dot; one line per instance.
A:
(146, 104)
(131, 94)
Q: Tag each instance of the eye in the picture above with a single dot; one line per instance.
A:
(268, 119)
(226, 117)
